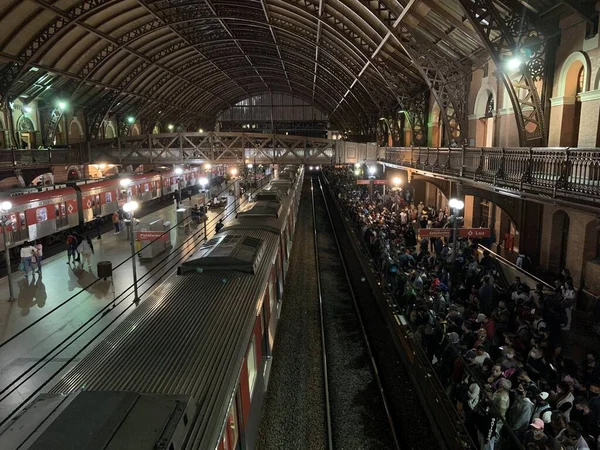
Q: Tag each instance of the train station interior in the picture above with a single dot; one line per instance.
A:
(146, 130)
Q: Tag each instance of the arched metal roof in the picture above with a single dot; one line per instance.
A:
(187, 60)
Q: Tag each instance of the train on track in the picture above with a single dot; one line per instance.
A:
(188, 369)
(48, 213)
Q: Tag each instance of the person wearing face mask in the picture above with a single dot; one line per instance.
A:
(590, 369)
(594, 397)
(586, 417)
(572, 437)
(508, 362)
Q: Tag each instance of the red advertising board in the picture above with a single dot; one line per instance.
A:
(462, 232)
(374, 182)
(434, 232)
(474, 232)
(151, 236)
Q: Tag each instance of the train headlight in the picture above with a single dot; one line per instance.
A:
(310, 168)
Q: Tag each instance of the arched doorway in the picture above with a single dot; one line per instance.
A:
(559, 240)
(73, 174)
(485, 111)
(26, 132)
(109, 132)
(573, 81)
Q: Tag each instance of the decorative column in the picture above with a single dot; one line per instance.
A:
(589, 122)
(562, 122)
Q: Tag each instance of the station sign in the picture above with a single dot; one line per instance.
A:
(474, 232)
(435, 232)
(376, 182)
(470, 233)
(151, 236)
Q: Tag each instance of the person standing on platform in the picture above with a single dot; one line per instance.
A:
(39, 255)
(219, 226)
(115, 221)
(189, 193)
(98, 224)
(121, 219)
(71, 247)
(27, 252)
(86, 248)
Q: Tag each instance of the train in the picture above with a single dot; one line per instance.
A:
(189, 367)
(47, 214)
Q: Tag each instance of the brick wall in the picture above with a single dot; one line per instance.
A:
(576, 246)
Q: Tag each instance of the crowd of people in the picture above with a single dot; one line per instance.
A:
(496, 349)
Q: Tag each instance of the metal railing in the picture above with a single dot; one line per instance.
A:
(553, 171)
(24, 158)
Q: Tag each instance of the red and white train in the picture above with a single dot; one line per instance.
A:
(49, 213)
(190, 366)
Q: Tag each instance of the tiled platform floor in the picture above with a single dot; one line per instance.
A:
(37, 295)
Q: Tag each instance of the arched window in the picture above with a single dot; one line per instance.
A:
(580, 76)
(489, 106)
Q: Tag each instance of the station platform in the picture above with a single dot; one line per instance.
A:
(30, 359)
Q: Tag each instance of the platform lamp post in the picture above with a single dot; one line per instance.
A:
(130, 208)
(236, 187)
(179, 172)
(5, 207)
(372, 172)
(457, 206)
(203, 182)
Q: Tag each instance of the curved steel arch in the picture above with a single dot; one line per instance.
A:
(259, 25)
(326, 46)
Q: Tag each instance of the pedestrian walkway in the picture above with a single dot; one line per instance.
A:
(36, 296)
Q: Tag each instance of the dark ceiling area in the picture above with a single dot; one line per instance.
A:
(185, 61)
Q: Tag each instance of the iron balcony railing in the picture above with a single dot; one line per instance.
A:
(553, 171)
(26, 158)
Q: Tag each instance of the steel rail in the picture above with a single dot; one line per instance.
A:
(323, 341)
(374, 367)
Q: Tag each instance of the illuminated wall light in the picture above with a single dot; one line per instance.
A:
(170, 127)
(27, 109)
(131, 119)
(62, 105)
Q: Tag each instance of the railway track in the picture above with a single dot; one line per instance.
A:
(360, 372)
(358, 413)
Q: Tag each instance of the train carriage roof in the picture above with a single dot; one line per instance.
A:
(207, 316)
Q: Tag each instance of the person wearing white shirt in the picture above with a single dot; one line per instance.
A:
(27, 251)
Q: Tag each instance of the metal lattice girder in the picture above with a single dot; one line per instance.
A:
(194, 57)
(417, 118)
(511, 35)
(447, 79)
